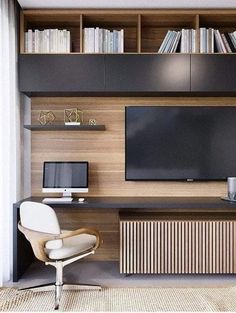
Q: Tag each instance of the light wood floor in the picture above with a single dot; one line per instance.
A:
(107, 274)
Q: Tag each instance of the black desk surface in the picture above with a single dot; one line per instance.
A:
(162, 203)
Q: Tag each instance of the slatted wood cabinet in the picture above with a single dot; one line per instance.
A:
(174, 246)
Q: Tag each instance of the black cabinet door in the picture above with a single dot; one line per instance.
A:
(147, 73)
(46, 74)
(213, 73)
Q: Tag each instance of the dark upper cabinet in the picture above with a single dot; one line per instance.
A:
(61, 74)
(127, 74)
(213, 73)
(147, 73)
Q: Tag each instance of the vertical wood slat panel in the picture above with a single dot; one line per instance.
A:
(121, 247)
(231, 246)
(138, 248)
(152, 247)
(177, 247)
(213, 249)
(135, 248)
(203, 248)
(148, 248)
(207, 247)
(190, 248)
(159, 247)
(155, 248)
(224, 247)
(200, 247)
(131, 249)
(217, 232)
(220, 247)
(172, 246)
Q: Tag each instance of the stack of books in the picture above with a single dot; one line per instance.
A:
(211, 40)
(98, 40)
(183, 41)
(47, 41)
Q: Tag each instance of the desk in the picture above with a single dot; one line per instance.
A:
(103, 213)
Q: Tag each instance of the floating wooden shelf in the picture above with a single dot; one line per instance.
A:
(65, 127)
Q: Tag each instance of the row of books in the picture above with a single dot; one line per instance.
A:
(47, 41)
(211, 40)
(98, 40)
(183, 41)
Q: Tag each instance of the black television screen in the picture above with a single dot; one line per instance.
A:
(180, 143)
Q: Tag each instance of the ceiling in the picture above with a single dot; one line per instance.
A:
(127, 4)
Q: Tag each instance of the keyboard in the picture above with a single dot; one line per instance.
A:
(57, 200)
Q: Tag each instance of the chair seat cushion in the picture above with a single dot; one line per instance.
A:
(72, 246)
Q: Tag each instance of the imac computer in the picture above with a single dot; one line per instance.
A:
(66, 178)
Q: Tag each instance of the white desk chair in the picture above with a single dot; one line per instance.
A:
(39, 224)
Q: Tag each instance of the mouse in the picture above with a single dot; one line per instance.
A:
(81, 199)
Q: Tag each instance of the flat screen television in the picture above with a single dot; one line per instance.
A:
(180, 143)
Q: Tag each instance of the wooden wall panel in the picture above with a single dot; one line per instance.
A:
(105, 149)
(107, 222)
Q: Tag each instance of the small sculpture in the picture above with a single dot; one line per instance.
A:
(92, 121)
(73, 116)
(46, 117)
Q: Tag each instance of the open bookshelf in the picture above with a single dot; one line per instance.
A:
(144, 30)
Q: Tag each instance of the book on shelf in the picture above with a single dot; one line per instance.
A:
(183, 41)
(99, 40)
(47, 41)
(211, 40)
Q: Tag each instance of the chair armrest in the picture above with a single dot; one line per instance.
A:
(37, 240)
(80, 231)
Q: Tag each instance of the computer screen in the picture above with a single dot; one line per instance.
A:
(65, 175)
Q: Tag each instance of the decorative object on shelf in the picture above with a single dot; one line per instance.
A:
(73, 116)
(46, 117)
(231, 184)
(92, 121)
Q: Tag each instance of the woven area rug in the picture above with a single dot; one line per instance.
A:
(123, 299)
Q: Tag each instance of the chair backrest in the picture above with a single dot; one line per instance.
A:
(39, 217)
